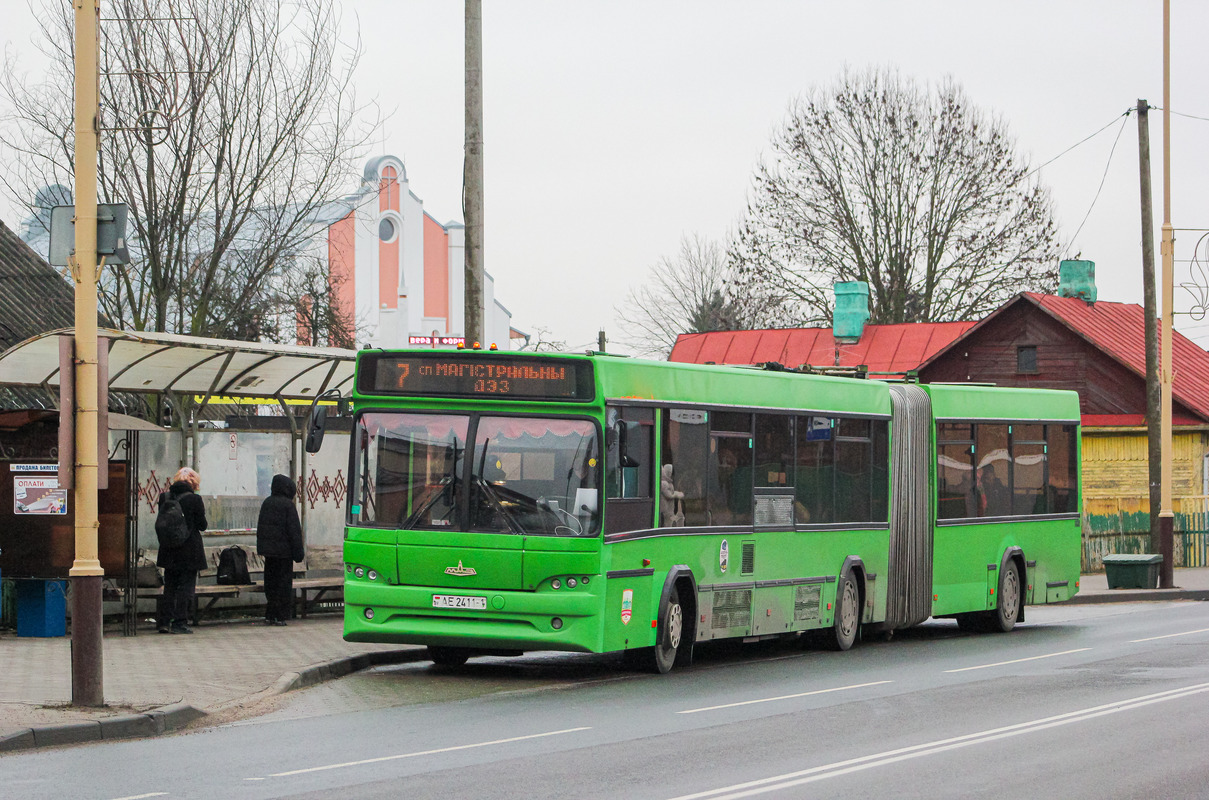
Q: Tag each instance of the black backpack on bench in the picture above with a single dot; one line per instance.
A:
(233, 567)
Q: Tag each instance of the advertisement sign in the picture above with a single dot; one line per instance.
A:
(38, 496)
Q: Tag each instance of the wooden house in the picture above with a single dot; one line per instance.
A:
(1098, 350)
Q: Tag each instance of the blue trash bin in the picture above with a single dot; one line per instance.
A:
(41, 608)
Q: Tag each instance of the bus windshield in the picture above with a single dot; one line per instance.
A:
(526, 475)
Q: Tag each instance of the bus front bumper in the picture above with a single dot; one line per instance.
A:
(550, 620)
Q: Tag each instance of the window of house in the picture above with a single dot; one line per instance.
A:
(1026, 358)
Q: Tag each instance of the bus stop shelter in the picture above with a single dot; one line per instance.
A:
(190, 373)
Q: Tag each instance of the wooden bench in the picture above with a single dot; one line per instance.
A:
(207, 587)
(307, 591)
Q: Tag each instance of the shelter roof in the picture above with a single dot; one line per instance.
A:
(892, 349)
(1118, 330)
(158, 362)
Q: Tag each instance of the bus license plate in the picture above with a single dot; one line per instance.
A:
(458, 601)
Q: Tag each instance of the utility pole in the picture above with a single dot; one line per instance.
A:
(1166, 513)
(472, 173)
(1154, 422)
(87, 674)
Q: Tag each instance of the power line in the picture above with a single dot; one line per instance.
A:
(1103, 178)
(1182, 114)
(1125, 114)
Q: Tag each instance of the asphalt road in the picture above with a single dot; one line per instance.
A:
(1079, 702)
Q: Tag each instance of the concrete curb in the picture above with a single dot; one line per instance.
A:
(122, 726)
(176, 716)
(1138, 596)
(339, 667)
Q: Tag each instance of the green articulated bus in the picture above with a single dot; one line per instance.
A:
(503, 502)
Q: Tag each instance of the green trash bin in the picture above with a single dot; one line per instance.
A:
(1133, 571)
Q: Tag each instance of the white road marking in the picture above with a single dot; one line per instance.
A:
(930, 748)
(142, 796)
(1018, 660)
(454, 748)
(839, 768)
(1169, 636)
(783, 697)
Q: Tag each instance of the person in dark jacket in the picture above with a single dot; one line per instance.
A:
(279, 542)
(182, 563)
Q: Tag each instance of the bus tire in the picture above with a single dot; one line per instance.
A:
(847, 613)
(448, 656)
(1007, 611)
(669, 637)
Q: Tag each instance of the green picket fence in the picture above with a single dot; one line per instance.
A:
(1122, 525)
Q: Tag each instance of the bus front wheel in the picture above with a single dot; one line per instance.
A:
(847, 613)
(669, 639)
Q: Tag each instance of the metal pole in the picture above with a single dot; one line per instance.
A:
(1166, 514)
(87, 678)
(472, 190)
(1154, 453)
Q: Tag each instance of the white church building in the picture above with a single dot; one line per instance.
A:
(396, 271)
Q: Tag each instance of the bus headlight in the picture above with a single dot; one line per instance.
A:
(359, 572)
(373, 576)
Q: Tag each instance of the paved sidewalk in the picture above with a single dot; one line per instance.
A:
(155, 683)
(222, 664)
(1190, 583)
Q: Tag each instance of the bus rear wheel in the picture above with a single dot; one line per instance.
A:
(448, 656)
(1008, 609)
(847, 614)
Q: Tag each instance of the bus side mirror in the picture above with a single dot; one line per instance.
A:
(315, 428)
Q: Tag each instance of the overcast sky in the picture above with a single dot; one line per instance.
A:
(613, 128)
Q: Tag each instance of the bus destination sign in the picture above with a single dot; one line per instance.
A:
(466, 375)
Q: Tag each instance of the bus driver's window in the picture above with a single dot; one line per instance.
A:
(628, 458)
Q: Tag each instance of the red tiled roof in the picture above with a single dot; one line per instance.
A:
(1118, 329)
(882, 348)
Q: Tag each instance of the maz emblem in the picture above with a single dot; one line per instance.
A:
(460, 570)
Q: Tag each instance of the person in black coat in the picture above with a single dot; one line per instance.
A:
(279, 542)
(182, 563)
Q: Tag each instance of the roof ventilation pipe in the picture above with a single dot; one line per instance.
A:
(851, 310)
(1077, 279)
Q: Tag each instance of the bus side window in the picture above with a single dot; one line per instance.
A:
(1063, 479)
(685, 447)
(629, 458)
(730, 468)
(814, 478)
(992, 476)
(955, 471)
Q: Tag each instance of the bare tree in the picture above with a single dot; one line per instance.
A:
(313, 292)
(541, 341)
(684, 294)
(225, 126)
(910, 189)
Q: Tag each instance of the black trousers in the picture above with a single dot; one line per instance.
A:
(177, 600)
(279, 587)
